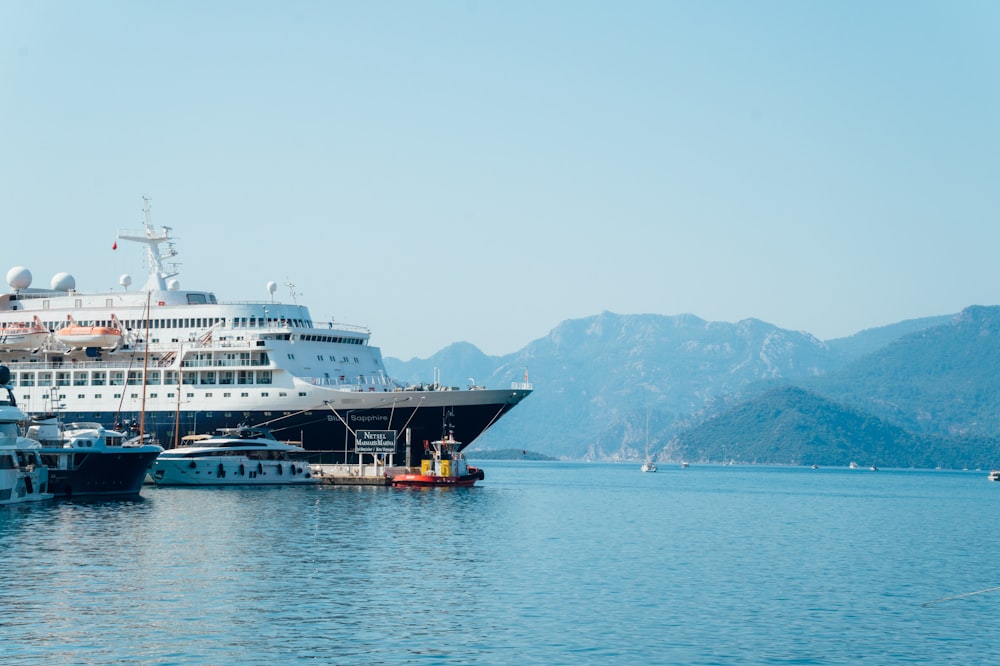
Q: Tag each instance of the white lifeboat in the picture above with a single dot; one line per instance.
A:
(23, 335)
(79, 336)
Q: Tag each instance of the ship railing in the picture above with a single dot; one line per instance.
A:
(223, 363)
(348, 384)
(522, 386)
(276, 325)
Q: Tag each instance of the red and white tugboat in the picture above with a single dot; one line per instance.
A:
(443, 465)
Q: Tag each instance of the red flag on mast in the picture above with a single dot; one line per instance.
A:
(115, 246)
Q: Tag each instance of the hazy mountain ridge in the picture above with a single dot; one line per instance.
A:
(596, 377)
(943, 380)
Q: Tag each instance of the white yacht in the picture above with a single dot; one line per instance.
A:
(240, 456)
(181, 362)
(23, 476)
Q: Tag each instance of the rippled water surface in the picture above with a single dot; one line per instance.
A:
(542, 563)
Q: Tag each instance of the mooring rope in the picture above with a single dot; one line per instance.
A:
(960, 596)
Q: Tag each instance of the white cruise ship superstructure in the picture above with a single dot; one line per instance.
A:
(172, 362)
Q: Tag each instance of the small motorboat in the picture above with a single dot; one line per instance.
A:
(994, 475)
(442, 465)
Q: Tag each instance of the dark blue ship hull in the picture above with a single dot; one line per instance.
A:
(322, 432)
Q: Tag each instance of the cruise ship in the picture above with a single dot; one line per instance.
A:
(170, 362)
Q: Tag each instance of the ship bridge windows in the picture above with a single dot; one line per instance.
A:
(197, 299)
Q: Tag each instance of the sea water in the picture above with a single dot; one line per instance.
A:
(541, 563)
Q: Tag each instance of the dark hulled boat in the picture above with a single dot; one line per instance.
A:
(87, 460)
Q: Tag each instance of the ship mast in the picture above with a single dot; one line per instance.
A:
(152, 239)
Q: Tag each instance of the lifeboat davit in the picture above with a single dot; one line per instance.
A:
(23, 335)
(442, 466)
(80, 336)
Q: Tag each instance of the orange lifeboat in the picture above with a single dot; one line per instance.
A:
(80, 336)
(23, 335)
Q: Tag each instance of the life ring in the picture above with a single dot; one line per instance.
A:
(193, 464)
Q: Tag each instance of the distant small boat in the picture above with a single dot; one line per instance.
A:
(649, 465)
(684, 464)
(994, 475)
(853, 465)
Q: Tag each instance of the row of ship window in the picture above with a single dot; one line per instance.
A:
(170, 396)
(134, 377)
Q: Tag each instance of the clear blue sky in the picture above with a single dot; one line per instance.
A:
(481, 171)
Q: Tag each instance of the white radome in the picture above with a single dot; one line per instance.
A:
(19, 277)
(63, 282)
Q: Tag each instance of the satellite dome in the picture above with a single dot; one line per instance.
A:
(272, 287)
(173, 285)
(19, 277)
(63, 282)
(125, 280)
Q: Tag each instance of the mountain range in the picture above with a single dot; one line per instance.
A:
(919, 393)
